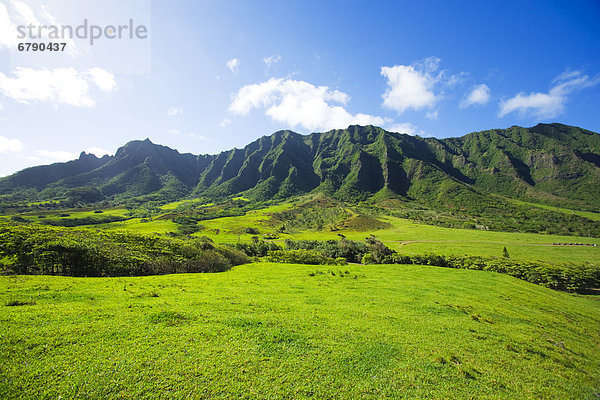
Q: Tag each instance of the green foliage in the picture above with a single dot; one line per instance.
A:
(496, 214)
(317, 214)
(368, 259)
(186, 224)
(347, 249)
(559, 277)
(379, 251)
(72, 222)
(85, 194)
(310, 257)
(569, 277)
(474, 181)
(258, 248)
(35, 249)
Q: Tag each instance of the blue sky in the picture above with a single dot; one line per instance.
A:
(212, 75)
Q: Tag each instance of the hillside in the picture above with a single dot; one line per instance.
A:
(553, 164)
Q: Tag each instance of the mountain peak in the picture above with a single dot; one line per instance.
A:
(351, 163)
(85, 156)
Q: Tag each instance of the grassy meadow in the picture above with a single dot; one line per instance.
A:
(269, 330)
(402, 235)
(294, 331)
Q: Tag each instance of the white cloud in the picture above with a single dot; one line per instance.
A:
(432, 115)
(271, 60)
(8, 30)
(20, 13)
(174, 111)
(225, 122)
(98, 151)
(233, 65)
(103, 79)
(59, 85)
(199, 137)
(1, 106)
(454, 80)
(174, 131)
(56, 155)
(299, 103)
(548, 105)
(10, 145)
(25, 12)
(411, 86)
(479, 95)
(408, 128)
(418, 86)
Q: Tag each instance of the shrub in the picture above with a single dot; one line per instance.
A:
(368, 259)
(349, 250)
(299, 257)
(35, 249)
(341, 261)
(257, 248)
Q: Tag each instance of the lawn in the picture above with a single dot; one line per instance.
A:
(294, 331)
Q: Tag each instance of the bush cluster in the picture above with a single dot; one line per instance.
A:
(350, 250)
(258, 248)
(569, 277)
(311, 257)
(72, 222)
(35, 249)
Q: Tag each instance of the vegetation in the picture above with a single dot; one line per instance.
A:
(309, 257)
(34, 249)
(296, 331)
(570, 277)
(515, 179)
(72, 222)
(520, 202)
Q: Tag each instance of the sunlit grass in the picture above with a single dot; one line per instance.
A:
(586, 214)
(294, 331)
(175, 204)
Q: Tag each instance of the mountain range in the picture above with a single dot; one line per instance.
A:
(549, 163)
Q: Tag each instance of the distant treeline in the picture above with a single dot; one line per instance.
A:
(36, 249)
(73, 222)
(505, 218)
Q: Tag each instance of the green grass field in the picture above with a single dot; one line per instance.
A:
(294, 331)
(586, 214)
(37, 216)
(175, 204)
(403, 235)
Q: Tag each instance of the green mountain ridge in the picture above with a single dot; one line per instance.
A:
(550, 163)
